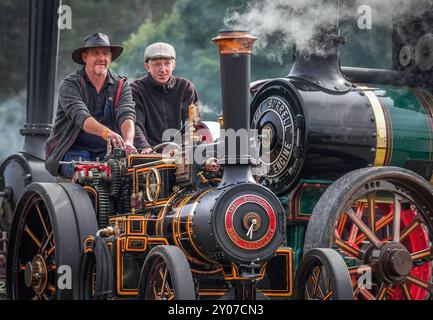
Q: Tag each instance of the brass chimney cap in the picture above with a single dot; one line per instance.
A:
(233, 42)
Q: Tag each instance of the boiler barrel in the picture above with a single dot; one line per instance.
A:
(318, 135)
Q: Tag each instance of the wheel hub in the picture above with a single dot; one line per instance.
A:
(35, 275)
(394, 263)
(251, 220)
(271, 139)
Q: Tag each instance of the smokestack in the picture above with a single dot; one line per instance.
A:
(235, 59)
(42, 66)
(319, 62)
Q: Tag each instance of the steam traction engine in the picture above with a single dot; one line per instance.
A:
(164, 228)
(348, 151)
(351, 159)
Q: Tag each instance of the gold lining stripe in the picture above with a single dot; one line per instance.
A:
(190, 231)
(289, 274)
(426, 100)
(381, 134)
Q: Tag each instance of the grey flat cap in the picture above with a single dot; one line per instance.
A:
(159, 50)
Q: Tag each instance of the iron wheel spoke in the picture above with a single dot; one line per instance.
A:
(316, 279)
(420, 283)
(409, 229)
(50, 251)
(397, 218)
(347, 247)
(354, 230)
(423, 254)
(328, 295)
(364, 229)
(32, 236)
(382, 292)
(341, 224)
(406, 291)
(380, 224)
(367, 294)
(44, 226)
(371, 211)
(46, 243)
(164, 284)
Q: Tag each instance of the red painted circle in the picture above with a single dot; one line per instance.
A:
(231, 232)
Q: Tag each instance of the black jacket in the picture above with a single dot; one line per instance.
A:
(159, 107)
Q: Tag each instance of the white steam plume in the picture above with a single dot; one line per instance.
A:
(289, 22)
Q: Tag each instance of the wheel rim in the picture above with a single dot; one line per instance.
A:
(386, 231)
(35, 256)
(160, 285)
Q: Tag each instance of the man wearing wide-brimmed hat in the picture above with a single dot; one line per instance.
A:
(161, 99)
(95, 107)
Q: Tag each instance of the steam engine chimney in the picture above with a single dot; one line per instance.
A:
(235, 59)
(42, 65)
(319, 62)
(27, 166)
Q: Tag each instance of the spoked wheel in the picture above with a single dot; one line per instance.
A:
(323, 275)
(381, 222)
(166, 275)
(50, 222)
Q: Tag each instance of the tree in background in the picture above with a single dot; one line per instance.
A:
(118, 19)
(189, 25)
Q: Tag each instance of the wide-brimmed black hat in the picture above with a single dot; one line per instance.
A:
(96, 40)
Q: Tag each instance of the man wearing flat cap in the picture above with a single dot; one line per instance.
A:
(95, 109)
(161, 99)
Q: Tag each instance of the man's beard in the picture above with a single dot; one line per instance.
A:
(98, 71)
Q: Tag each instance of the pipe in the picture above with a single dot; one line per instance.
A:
(42, 66)
(235, 49)
(377, 76)
(318, 62)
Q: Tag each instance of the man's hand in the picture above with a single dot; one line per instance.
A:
(115, 139)
(129, 147)
(146, 150)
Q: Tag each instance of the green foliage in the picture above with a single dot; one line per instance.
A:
(187, 24)
(118, 19)
(13, 44)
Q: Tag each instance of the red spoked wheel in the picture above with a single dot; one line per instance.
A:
(381, 221)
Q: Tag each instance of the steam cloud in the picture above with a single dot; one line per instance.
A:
(12, 114)
(289, 22)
